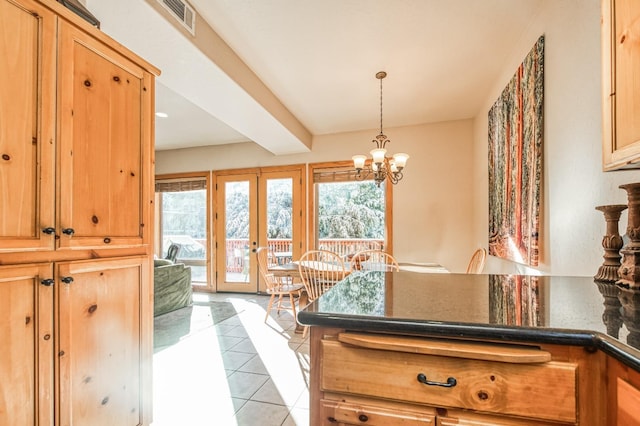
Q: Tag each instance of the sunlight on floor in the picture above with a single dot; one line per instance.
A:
(239, 371)
(286, 367)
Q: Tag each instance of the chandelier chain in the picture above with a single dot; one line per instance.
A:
(381, 132)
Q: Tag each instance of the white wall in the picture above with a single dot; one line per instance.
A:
(441, 208)
(574, 184)
(432, 220)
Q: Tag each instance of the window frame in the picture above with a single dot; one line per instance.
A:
(345, 169)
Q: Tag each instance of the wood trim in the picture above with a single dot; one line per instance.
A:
(210, 225)
(204, 174)
(313, 201)
(468, 350)
(299, 193)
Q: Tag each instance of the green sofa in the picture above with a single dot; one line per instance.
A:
(171, 286)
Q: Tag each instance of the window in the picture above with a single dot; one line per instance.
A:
(182, 219)
(349, 214)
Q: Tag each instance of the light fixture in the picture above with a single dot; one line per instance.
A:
(381, 166)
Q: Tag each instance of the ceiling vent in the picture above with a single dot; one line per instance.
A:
(183, 13)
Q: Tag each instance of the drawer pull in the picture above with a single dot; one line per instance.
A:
(451, 381)
(363, 418)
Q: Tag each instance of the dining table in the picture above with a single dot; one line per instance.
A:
(283, 257)
(291, 270)
(285, 270)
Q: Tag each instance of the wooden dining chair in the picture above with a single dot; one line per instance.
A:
(319, 271)
(476, 264)
(276, 286)
(374, 260)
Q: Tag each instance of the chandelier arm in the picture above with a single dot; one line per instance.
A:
(362, 174)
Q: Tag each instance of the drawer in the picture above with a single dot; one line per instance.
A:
(345, 413)
(544, 390)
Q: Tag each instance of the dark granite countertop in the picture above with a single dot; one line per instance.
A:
(542, 309)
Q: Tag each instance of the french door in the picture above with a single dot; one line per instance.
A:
(256, 208)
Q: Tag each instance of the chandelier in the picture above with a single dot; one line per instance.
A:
(381, 166)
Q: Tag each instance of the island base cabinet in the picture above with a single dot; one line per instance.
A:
(101, 332)
(624, 394)
(628, 404)
(373, 378)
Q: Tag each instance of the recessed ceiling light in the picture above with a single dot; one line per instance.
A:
(162, 114)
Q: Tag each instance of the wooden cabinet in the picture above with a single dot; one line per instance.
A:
(26, 355)
(27, 132)
(371, 412)
(100, 340)
(84, 186)
(620, 88)
(628, 406)
(368, 378)
(624, 394)
(76, 194)
(104, 111)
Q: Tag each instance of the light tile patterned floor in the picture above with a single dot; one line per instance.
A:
(238, 372)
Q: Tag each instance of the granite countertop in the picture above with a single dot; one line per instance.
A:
(542, 309)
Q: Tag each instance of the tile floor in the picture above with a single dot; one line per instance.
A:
(238, 372)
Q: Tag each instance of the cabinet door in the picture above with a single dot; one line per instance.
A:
(105, 115)
(104, 347)
(26, 353)
(628, 410)
(27, 123)
(621, 91)
(373, 413)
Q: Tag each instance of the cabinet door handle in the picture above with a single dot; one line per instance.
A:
(451, 381)
(68, 231)
(48, 282)
(67, 280)
(49, 230)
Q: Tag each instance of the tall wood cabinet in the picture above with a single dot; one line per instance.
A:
(76, 194)
(620, 88)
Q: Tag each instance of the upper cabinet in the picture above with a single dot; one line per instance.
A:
(75, 139)
(27, 125)
(621, 84)
(104, 135)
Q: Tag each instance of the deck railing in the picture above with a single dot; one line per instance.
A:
(238, 249)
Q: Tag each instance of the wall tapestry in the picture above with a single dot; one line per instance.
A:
(515, 162)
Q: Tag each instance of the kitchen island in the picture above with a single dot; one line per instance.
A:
(445, 349)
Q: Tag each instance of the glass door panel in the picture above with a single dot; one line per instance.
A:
(236, 230)
(281, 215)
(184, 222)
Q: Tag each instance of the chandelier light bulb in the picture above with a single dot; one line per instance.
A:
(358, 161)
(378, 155)
(400, 159)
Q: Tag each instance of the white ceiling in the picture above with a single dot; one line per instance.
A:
(319, 58)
